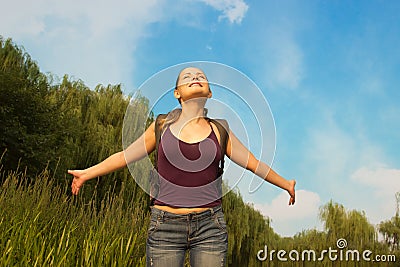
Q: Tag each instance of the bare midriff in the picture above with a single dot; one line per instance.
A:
(180, 210)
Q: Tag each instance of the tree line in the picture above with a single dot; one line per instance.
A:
(48, 126)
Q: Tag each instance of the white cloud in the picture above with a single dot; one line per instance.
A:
(287, 220)
(347, 168)
(384, 183)
(92, 40)
(384, 180)
(26, 17)
(233, 10)
(22, 17)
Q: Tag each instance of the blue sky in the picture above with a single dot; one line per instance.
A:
(328, 69)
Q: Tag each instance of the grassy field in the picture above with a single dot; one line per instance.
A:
(42, 225)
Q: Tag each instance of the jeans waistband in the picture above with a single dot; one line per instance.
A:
(193, 215)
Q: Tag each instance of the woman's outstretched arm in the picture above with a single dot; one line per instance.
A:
(144, 145)
(239, 154)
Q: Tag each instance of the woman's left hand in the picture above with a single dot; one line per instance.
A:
(291, 191)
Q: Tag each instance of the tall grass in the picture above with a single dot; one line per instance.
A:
(42, 225)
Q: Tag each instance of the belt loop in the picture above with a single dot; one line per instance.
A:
(212, 211)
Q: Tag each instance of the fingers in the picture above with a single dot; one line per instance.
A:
(292, 200)
(293, 197)
(292, 192)
(75, 186)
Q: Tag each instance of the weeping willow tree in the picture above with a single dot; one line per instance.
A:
(92, 130)
(390, 229)
(248, 231)
(48, 128)
(59, 126)
(26, 115)
(354, 228)
(350, 225)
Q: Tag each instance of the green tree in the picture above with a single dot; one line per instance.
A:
(350, 225)
(390, 229)
(26, 115)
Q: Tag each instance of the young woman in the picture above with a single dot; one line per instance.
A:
(188, 158)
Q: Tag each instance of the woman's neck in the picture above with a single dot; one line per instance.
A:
(192, 111)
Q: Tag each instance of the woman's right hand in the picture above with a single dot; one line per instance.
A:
(78, 181)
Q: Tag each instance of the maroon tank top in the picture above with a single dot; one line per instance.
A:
(188, 172)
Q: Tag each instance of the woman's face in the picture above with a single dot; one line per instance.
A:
(192, 83)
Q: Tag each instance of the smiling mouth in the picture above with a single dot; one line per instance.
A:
(195, 83)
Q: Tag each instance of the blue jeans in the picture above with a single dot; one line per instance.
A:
(203, 234)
